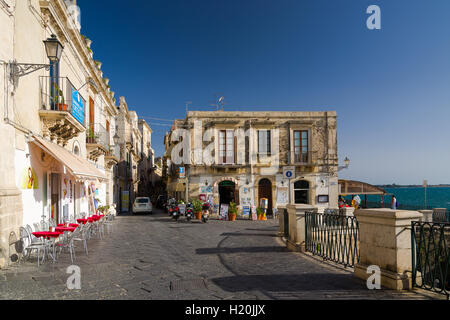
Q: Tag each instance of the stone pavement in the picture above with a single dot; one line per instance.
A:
(153, 257)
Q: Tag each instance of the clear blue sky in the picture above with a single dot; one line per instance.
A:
(390, 87)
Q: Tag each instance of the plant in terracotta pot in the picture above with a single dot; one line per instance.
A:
(197, 204)
(232, 211)
(58, 100)
(260, 213)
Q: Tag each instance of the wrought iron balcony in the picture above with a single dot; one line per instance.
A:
(97, 141)
(303, 158)
(61, 109)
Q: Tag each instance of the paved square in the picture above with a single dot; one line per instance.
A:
(153, 257)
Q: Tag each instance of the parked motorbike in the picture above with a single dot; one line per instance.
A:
(205, 212)
(175, 212)
(189, 211)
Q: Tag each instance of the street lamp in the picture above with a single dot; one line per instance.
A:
(346, 164)
(116, 138)
(53, 48)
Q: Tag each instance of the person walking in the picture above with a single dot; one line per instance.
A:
(394, 204)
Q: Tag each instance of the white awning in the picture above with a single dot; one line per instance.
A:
(81, 168)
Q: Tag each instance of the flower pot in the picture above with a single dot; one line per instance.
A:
(231, 216)
(61, 107)
(198, 215)
(260, 217)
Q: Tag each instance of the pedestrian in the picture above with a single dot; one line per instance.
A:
(394, 204)
(357, 201)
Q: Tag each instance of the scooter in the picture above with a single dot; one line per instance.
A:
(175, 212)
(205, 212)
(189, 212)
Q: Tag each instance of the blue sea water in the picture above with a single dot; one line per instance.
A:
(413, 198)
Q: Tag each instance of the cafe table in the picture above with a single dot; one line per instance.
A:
(83, 221)
(64, 229)
(49, 235)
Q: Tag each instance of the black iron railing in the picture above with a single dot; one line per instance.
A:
(97, 134)
(333, 237)
(431, 256)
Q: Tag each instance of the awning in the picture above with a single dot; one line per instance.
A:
(77, 166)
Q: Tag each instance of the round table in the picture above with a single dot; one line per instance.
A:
(83, 221)
(47, 234)
(64, 229)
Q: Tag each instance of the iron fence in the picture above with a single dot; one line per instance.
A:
(333, 237)
(431, 256)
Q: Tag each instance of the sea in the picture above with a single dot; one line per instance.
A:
(412, 198)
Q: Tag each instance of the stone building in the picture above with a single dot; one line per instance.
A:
(145, 167)
(130, 142)
(243, 157)
(58, 154)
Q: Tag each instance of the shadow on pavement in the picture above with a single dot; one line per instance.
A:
(288, 283)
(240, 250)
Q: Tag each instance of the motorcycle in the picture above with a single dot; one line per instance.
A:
(205, 212)
(189, 212)
(175, 212)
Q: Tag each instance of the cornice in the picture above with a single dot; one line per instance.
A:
(56, 14)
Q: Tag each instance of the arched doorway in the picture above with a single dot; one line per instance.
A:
(265, 191)
(227, 192)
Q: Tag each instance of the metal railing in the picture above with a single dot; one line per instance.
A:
(59, 94)
(430, 243)
(308, 157)
(97, 134)
(333, 237)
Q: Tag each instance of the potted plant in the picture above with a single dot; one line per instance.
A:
(197, 204)
(232, 211)
(260, 213)
(58, 100)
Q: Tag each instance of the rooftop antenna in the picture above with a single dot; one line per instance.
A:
(220, 103)
(187, 106)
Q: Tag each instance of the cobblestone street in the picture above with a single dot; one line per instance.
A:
(153, 257)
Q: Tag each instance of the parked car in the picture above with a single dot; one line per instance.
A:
(142, 204)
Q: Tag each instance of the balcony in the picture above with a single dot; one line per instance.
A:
(308, 158)
(112, 157)
(61, 109)
(97, 141)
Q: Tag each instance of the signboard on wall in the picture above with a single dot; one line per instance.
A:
(125, 200)
(182, 172)
(77, 107)
(289, 172)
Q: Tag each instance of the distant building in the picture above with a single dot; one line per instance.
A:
(241, 157)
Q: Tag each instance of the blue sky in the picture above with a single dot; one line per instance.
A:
(390, 87)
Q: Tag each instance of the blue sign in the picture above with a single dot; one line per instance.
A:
(246, 211)
(288, 174)
(181, 172)
(77, 107)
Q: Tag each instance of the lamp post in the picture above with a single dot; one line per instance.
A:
(346, 164)
(53, 48)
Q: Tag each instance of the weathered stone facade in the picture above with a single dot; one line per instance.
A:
(250, 171)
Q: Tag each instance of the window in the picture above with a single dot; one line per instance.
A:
(264, 142)
(301, 146)
(301, 192)
(226, 146)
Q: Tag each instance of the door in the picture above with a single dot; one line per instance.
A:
(91, 116)
(265, 191)
(55, 193)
